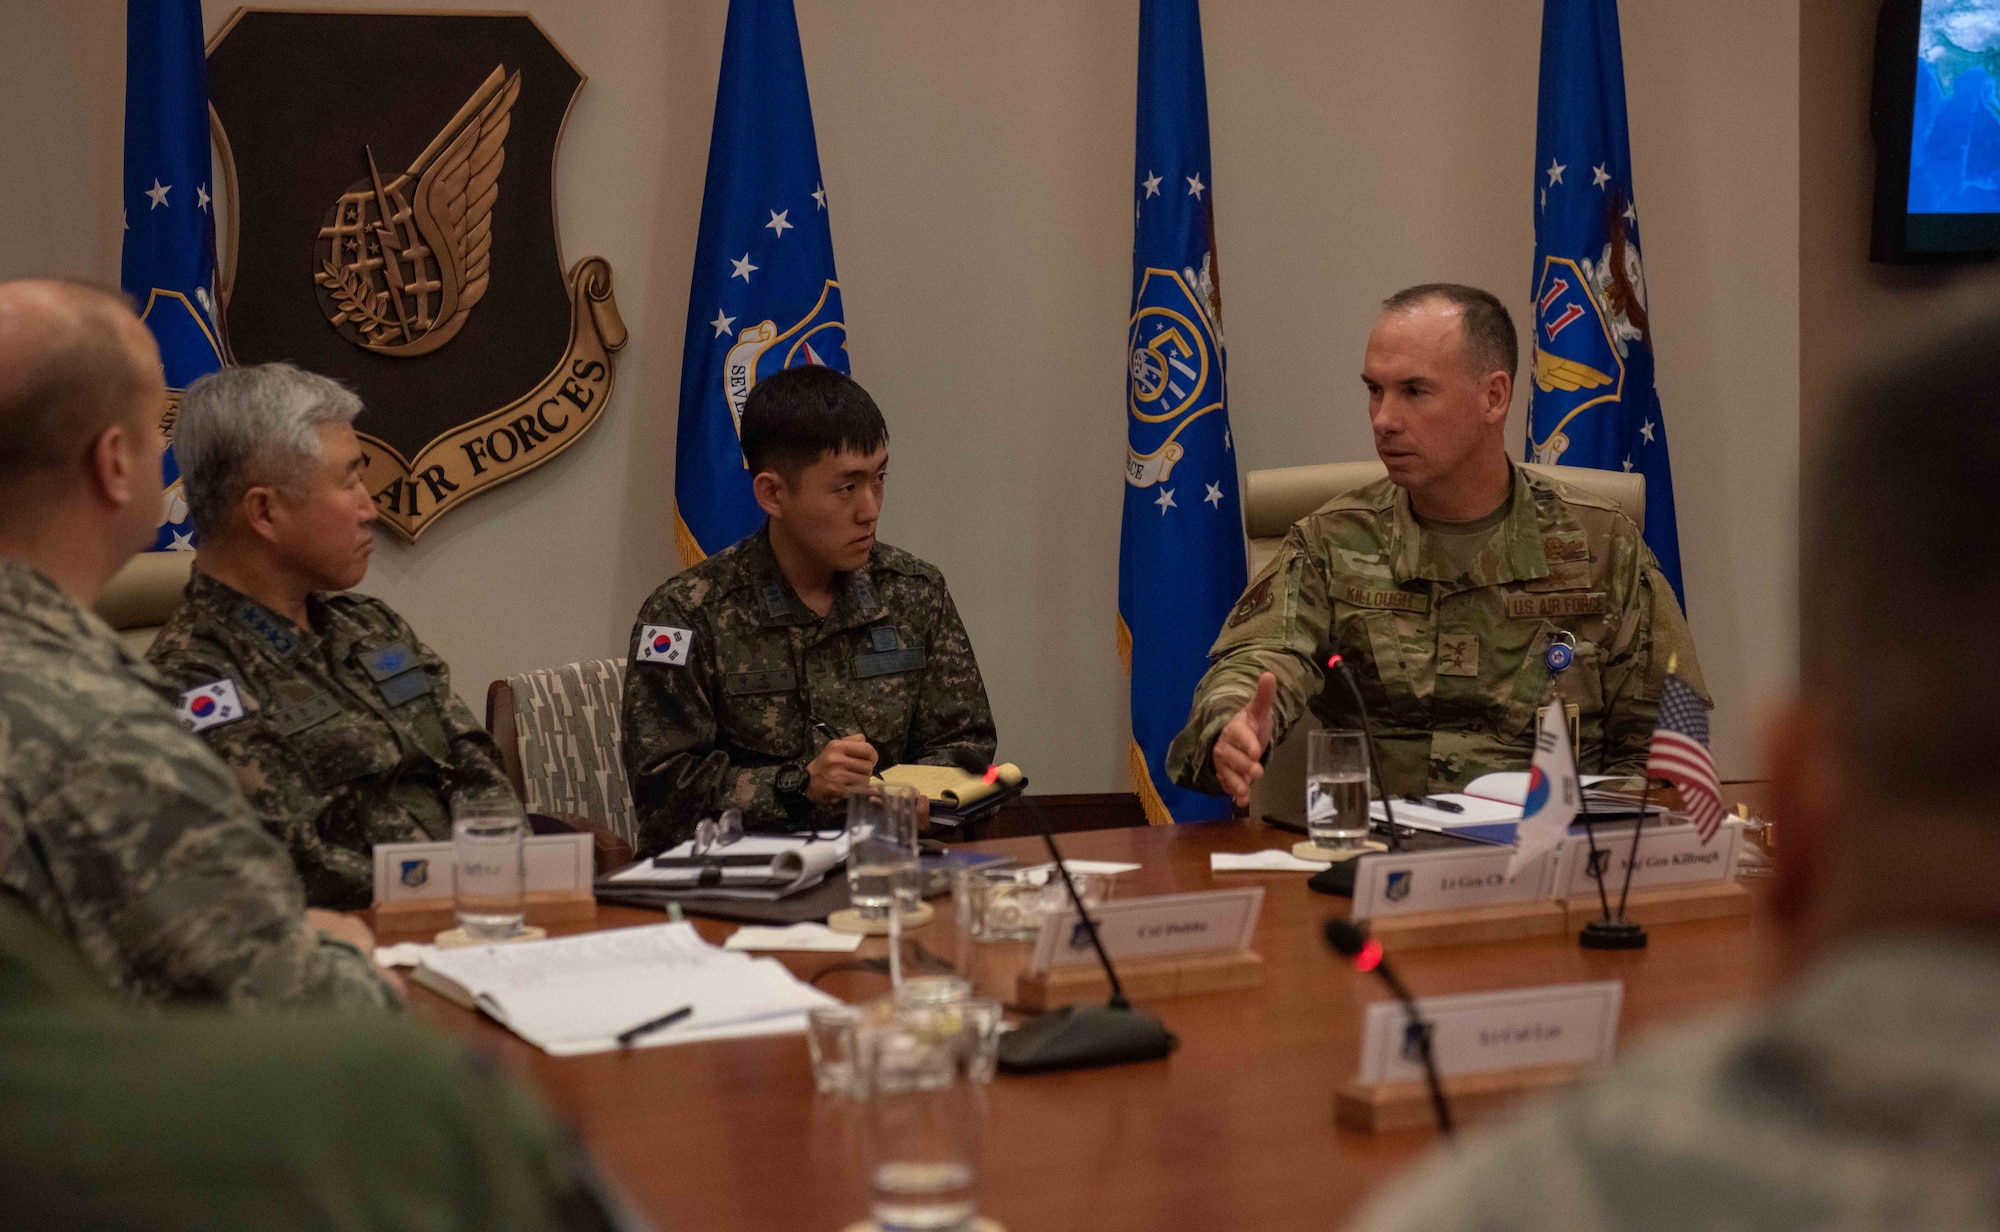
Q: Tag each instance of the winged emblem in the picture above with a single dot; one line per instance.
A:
(400, 263)
(1553, 372)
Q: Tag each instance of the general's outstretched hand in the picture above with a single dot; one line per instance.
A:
(1239, 750)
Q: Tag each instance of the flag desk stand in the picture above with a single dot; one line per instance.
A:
(1143, 979)
(428, 915)
(1422, 930)
(1667, 905)
(1381, 1107)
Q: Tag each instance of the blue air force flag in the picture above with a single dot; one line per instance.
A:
(765, 296)
(1180, 560)
(1591, 401)
(169, 260)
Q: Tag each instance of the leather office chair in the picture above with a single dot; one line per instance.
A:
(558, 732)
(139, 597)
(1274, 499)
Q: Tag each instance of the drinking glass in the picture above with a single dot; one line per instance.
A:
(833, 1040)
(490, 884)
(922, 1123)
(1337, 789)
(882, 866)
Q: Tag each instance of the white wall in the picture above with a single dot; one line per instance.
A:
(978, 160)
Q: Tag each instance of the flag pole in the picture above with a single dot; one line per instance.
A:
(1619, 933)
(1645, 794)
(1590, 832)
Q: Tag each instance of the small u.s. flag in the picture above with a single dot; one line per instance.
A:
(210, 705)
(1680, 755)
(663, 644)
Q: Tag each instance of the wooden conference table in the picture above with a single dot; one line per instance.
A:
(1235, 1130)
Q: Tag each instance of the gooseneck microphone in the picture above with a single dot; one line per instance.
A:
(1078, 1036)
(1353, 942)
(1333, 664)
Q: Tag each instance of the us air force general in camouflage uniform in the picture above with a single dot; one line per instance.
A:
(730, 669)
(347, 735)
(120, 830)
(1450, 662)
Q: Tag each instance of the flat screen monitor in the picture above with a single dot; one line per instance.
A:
(1937, 131)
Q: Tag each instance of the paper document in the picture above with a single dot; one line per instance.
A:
(575, 995)
(1475, 811)
(794, 864)
(1272, 861)
(795, 937)
(1102, 868)
(1511, 786)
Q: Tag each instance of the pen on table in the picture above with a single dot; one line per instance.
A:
(627, 1038)
(1442, 806)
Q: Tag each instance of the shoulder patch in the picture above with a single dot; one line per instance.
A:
(663, 644)
(210, 705)
(391, 660)
(1255, 601)
(1565, 546)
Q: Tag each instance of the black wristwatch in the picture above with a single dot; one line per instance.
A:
(790, 783)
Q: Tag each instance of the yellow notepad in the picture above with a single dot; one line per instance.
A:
(950, 786)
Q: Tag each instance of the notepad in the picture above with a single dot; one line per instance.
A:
(793, 865)
(957, 790)
(574, 995)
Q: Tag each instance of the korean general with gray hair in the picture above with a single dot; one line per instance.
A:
(248, 427)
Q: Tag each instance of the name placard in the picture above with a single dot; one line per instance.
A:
(1159, 926)
(424, 872)
(1404, 883)
(1485, 1032)
(1668, 856)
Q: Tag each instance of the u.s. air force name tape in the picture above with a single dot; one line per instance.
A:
(210, 705)
(663, 644)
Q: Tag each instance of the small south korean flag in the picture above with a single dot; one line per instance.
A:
(664, 644)
(210, 705)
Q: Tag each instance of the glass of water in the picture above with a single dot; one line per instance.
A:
(923, 1123)
(1337, 789)
(489, 831)
(882, 865)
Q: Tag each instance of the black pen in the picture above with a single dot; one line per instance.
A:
(627, 1038)
(1442, 806)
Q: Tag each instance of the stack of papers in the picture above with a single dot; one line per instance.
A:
(787, 866)
(1273, 861)
(575, 995)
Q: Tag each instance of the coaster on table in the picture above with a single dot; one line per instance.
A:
(455, 938)
(849, 920)
(1310, 850)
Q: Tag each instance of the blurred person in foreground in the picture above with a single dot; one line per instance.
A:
(1868, 1094)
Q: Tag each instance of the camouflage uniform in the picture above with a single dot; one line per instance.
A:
(198, 1120)
(351, 734)
(121, 830)
(1868, 1100)
(890, 659)
(1451, 665)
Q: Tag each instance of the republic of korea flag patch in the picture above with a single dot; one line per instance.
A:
(664, 644)
(210, 705)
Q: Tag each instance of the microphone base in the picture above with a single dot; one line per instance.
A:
(1612, 935)
(1084, 1037)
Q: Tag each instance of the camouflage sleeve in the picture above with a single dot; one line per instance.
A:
(280, 786)
(677, 773)
(1651, 635)
(171, 888)
(475, 759)
(953, 725)
(1523, 1180)
(1284, 614)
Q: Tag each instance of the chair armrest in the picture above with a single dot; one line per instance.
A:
(609, 850)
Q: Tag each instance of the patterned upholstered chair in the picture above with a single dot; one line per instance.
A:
(557, 729)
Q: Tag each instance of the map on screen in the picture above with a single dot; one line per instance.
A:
(1955, 138)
